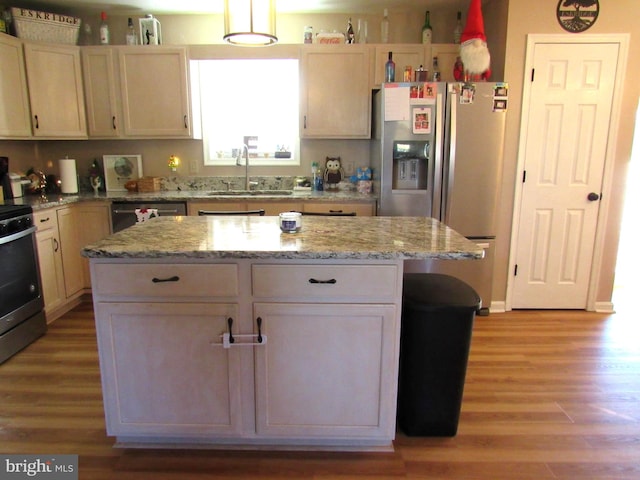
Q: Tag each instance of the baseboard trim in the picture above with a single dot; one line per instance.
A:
(604, 307)
(498, 307)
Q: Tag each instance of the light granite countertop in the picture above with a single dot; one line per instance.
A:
(260, 238)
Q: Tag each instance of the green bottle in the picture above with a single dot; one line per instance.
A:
(427, 31)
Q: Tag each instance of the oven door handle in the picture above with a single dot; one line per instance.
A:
(15, 236)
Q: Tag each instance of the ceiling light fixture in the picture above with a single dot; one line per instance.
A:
(250, 23)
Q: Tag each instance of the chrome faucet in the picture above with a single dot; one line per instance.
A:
(245, 151)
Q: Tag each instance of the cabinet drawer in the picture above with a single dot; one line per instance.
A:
(372, 283)
(180, 280)
(45, 220)
(360, 209)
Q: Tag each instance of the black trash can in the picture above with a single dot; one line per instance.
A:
(437, 321)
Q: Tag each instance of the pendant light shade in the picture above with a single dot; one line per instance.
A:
(250, 22)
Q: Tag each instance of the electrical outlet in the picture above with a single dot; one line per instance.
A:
(193, 166)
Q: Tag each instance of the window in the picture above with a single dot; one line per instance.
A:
(249, 102)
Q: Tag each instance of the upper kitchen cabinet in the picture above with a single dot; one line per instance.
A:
(55, 90)
(136, 92)
(403, 55)
(155, 91)
(414, 56)
(335, 93)
(447, 54)
(15, 119)
(100, 87)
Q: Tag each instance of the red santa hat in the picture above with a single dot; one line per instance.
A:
(475, 24)
(474, 52)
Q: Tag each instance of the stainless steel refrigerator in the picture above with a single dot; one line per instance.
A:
(438, 152)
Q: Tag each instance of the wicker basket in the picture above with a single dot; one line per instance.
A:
(148, 184)
(45, 27)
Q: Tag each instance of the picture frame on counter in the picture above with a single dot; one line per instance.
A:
(120, 169)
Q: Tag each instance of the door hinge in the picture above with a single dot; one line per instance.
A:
(524, 176)
(515, 270)
(533, 74)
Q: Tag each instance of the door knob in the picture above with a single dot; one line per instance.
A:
(593, 196)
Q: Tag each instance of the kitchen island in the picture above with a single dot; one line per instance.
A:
(226, 332)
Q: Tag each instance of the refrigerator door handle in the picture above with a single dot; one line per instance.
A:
(451, 160)
(436, 207)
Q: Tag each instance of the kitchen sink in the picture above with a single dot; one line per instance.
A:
(236, 193)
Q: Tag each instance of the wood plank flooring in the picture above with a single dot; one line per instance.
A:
(549, 395)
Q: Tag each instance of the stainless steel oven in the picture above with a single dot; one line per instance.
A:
(22, 318)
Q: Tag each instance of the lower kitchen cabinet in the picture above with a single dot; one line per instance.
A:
(321, 372)
(60, 235)
(70, 244)
(360, 209)
(311, 362)
(59, 259)
(165, 370)
(93, 218)
(276, 207)
(193, 207)
(270, 208)
(50, 261)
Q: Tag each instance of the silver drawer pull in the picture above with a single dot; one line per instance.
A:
(175, 278)
(330, 281)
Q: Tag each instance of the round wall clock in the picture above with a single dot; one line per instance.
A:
(576, 16)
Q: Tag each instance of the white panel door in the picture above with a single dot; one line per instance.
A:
(568, 125)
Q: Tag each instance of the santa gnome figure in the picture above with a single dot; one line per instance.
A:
(474, 53)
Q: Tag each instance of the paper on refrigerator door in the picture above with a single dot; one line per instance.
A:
(396, 102)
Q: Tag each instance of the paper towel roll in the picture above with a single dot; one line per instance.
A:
(68, 175)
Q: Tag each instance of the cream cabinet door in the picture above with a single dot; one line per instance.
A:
(15, 119)
(69, 234)
(95, 224)
(55, 89)
(100, 89)
(164, 371)
(326, 371)
(49, 260)
(403, 55)
(155, 91)
(447, 54)
(335, 93)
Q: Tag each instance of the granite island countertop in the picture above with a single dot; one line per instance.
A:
(391, 238)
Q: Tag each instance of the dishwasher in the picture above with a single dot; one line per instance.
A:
(123, 214)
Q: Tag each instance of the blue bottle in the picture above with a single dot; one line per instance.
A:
(390, 70)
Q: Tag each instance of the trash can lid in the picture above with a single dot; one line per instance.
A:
(425, 290)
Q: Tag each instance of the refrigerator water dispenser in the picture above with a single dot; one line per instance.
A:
(410, 165)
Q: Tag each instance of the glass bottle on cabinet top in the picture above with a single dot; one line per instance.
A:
(384, 27)
(390, 69)
(104, 29)
(350, 37)
(457, 31)
(132, 37)
(427, 31)
(435, 75)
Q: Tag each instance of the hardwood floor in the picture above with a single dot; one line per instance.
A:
(549, 395)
